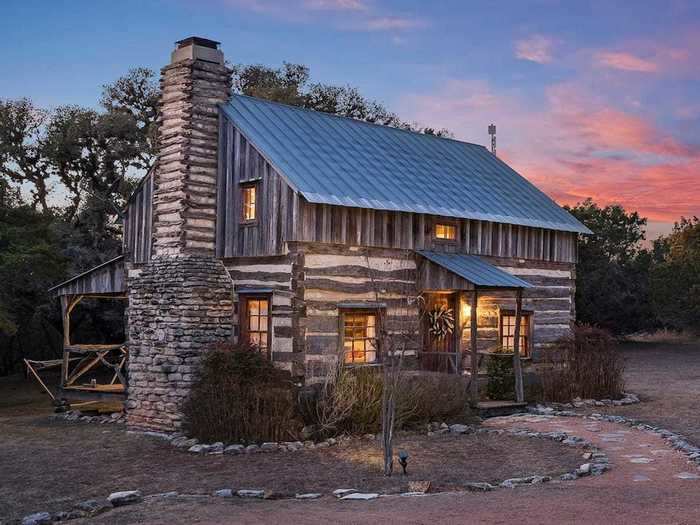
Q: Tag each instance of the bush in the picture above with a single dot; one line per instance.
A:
(241, 397)
(501, 377)
(350, 400)
(585, 365)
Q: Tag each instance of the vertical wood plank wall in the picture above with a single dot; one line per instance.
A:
(138, 222)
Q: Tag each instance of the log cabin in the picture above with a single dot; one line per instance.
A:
(301, 232)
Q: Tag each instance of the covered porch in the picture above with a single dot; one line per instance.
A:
(92, 372)
(472, 312)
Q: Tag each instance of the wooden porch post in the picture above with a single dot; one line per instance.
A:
(517, 365)
(65, 305)
(474, 383)
(457, 335)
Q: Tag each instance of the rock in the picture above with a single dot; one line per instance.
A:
(569, 476)
(252, 449)
(224, 493)
(361, 496)
(419, 486)
(269, 447)
(309, 495)
(216, 448)
(234, 449)
(514, 482)
(480, 487)
(178, 441)
(248, 493)
(339, 493)
(125, 497)
(370, 437)
(587, 455)
(584, 470)
(322, 444)
(38, 518)
(198, 449)
(459, 429)
(687, 475)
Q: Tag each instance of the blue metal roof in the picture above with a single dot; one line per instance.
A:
(347, 162)
(475, 270)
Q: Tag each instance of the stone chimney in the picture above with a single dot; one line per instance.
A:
(181, 301)
(184, 204)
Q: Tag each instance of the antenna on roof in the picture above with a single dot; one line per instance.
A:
(492, 132)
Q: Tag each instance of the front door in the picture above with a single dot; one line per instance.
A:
(438, 331)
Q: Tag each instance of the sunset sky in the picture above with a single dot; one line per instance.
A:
(598, 99)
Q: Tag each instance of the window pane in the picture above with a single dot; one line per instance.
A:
(445, 231)
(248, 199)
(359, 341)
(263, 324)
(263, 307)
(253, 307)
(254, 323)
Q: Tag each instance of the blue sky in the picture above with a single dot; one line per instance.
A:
(592, 99)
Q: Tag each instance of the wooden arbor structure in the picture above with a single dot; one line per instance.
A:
(470, 277)
(82, 360)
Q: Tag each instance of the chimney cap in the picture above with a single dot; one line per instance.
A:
(197, 41)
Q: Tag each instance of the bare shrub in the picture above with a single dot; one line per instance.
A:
(425, 397)
(585, 365)
(241, 397)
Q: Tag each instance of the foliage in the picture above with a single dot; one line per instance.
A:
(501, 377)
(291, 85)
(675, 279)
(586, 365)
(612, 276)
(241, 397)
(350, 400)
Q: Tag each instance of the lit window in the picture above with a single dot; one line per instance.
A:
(445, 231)
(256, 321)
(360, 337)
(508, 332)
(249, 200)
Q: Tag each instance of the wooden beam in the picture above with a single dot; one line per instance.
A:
(474, 382)
(517, 365)
(457, 335)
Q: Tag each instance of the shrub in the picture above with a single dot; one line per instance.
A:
(585, 365)
(241, 397)
(501, 377)
(350, 400)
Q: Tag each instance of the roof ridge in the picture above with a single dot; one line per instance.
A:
(356, 121)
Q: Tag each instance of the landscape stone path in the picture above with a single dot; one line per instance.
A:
(649, 483)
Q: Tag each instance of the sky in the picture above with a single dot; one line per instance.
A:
(591, 99)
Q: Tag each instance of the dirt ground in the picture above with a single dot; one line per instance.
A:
(50, 464)
(667, 379)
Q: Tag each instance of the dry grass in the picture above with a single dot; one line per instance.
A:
(663, 336)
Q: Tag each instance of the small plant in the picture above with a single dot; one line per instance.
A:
(585, 365)
(501, 378)
(241, 397)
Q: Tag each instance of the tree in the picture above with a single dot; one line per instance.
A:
(612, 275)
(675, 278)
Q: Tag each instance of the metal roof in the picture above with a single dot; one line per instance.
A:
(475, 270)
(347, 162)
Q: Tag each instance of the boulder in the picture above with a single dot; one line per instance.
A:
(38, 518)
(360, 496)
(234, 449)
(309, 495)
(224, 493)
(459, 429)
(339, 493)
(251, 493)
(479, 487)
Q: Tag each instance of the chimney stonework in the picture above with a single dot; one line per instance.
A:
(181, 302)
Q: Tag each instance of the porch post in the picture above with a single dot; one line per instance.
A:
(457, 334)
(66, 301)
(517, 365)
(474, 383)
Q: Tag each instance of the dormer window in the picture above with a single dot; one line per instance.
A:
(249, 203)
(445, 232)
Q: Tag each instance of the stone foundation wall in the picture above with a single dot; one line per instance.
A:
(178, 307)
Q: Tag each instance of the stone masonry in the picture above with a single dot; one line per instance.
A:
(178, 307)
(180, 303)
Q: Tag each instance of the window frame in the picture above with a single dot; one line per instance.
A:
(247, 185)
(243, 319)
(345, 311)
(448, 224)
(529, 316)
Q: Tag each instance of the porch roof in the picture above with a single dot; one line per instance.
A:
(475, 270)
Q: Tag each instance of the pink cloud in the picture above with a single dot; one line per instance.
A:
(335, 5)
(573, 145)
(625, 62)
(536, 48)
(389, 23)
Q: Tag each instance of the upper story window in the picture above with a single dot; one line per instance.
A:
(447, 232)
(507, 332)
(249, 203)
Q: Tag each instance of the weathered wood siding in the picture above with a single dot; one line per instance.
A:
(138, 222)
(277, 204)
(333, 277)
(413, 231)
(107, 278)
(273, 275)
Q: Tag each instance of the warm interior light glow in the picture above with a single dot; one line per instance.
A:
(466, 311)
